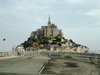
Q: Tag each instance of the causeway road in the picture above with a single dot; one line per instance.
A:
(23, 65)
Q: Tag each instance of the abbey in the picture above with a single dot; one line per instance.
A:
(50, 30)
(50, 38)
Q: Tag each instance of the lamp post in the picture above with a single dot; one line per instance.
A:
(4, 43)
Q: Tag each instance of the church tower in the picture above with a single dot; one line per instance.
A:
(49, 21)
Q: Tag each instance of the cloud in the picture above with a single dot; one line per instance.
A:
(77, 1)
(95, 12)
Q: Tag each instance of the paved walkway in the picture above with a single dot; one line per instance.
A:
(22, 65)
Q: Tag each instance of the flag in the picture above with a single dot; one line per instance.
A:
(4, 39)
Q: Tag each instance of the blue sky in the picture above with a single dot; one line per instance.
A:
(78, 19)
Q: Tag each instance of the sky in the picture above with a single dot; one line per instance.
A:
(78, 19)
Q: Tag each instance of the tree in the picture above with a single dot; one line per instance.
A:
(58, 38)
(71, 41)
(26, 44)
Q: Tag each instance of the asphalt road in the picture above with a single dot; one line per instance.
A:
(28, 65)
(23, 65)
(70, 67)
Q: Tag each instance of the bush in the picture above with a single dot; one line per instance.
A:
(67, 56)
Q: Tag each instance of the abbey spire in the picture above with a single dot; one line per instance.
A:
(49, 21)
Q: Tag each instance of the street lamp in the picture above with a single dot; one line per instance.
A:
(4, 43)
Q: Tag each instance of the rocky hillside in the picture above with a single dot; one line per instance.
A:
(54, 43)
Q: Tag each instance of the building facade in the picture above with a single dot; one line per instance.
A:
(50, 30)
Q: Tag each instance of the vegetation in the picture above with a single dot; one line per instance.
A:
(45, 42)
(42, 40)
(68, 56)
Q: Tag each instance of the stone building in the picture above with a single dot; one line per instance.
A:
(50, 30)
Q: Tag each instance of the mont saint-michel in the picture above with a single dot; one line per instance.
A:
(47, 51)
(33, 43)
(50, 37)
